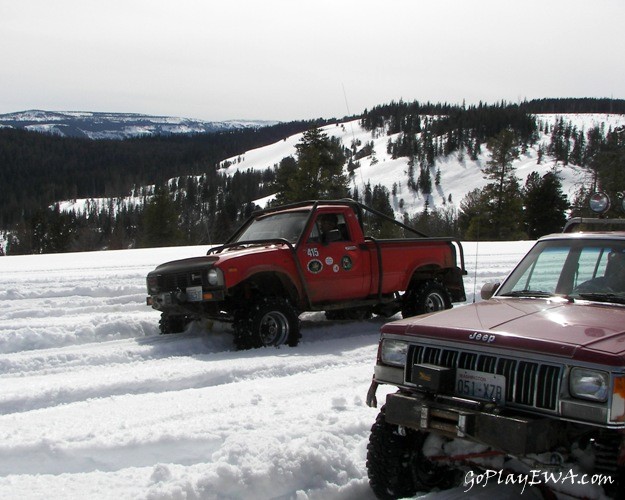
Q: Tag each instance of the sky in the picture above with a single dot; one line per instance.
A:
(302, 59)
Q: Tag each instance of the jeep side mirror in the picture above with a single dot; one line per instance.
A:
(488, 290)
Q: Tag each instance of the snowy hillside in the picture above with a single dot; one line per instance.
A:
(459, 175)
(114, 125)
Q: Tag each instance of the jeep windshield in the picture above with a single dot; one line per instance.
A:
(588, 269)
(286, 225)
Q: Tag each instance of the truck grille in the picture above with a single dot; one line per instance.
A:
(179, 281)
(528, 383)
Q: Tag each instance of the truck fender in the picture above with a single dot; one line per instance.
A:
(268, 283)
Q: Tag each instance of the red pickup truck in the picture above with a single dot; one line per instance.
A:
(527, 386)
(309, 256)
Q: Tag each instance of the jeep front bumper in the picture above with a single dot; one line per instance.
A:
(456, 417)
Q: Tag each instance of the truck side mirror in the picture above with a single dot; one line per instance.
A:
(488, 290)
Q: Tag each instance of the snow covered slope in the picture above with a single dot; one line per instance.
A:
(458, 174)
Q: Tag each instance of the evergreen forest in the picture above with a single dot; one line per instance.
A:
(186, 199)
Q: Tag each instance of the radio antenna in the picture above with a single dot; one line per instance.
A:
(477, 248)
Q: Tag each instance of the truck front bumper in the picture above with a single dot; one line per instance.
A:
(516, 435)
(168, 300)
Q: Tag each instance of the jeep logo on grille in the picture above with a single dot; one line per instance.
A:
(482, 337)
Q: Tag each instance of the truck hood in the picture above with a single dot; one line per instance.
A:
(586, 331)
(189, 264)
(227, 255)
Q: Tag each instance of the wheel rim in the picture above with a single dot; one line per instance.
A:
(274, 328)
(434, 302)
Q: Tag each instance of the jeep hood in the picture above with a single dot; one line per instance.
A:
(585, 331)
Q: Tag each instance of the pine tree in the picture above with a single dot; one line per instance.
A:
(160, 222)
(545, 204)
(317, 173)
(503, 192)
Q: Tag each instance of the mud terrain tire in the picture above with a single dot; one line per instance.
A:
(173, 323)
(396, 465)
(425, 297)
(270, 321)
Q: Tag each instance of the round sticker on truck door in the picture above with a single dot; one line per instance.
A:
(346, 263)
(315, 266)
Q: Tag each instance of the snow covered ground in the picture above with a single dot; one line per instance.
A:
(94, 404)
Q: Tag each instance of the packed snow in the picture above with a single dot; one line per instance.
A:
(94, 403)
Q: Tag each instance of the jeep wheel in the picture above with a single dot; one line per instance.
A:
(271, 321)
(425, 297)
(396, 465)
(173, 323)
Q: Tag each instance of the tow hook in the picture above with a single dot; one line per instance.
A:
(372, 401)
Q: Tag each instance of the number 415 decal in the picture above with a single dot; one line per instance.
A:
(313, 252)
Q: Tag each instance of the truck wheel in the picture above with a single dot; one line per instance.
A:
(396, 465)
(271, 321)
(173, 323)
(425, 297)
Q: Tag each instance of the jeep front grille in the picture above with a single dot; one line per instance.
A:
(528, 383)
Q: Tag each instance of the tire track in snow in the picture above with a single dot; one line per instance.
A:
(55, 378)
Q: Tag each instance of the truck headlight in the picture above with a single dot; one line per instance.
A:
(589, 384)
(215, 277)
(152, 283)
(393, 352)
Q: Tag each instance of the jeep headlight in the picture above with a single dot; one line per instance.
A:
(588, 384)
(393, 352)
(215, 277)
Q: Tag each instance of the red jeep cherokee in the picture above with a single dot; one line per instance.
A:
(534, 376)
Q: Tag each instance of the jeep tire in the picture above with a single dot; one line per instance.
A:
(396, 465)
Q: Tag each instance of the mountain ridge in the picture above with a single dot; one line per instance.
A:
(105, 125)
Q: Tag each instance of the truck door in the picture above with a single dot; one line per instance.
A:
(335, 266)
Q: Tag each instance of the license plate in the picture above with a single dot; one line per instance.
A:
(194, 294)
(481, 385)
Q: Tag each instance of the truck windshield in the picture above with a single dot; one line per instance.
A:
(288, 226)
(586, 269)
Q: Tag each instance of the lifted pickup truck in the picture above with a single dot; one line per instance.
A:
(533, 376)
(309, 256)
